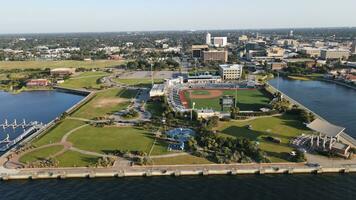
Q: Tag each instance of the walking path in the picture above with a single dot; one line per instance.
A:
(14, 161)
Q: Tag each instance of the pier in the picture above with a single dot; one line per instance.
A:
(28, 129)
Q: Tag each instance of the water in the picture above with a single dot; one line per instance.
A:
(333, 102)
(317, 96)
(41, 106)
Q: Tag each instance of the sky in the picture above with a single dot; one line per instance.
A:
(57, 16)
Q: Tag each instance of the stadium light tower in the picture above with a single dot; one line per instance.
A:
(152, 75)
(191, 111)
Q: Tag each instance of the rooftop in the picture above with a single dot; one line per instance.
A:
(325, 128)
(229, 66)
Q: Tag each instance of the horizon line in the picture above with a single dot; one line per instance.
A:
(182, 30)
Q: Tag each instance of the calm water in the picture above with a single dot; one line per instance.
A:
(333, 102)
(317, 96)
(42, 106)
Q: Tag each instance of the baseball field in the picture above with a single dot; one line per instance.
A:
(247, 99)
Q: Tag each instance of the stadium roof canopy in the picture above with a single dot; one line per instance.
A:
(325, 128)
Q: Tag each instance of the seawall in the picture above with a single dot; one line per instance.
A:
(194, 170)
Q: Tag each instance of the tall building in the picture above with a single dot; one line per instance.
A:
(197, 50)
(353, 47)
(220, 41)
(215, 55)
(230, 72)
(291, 33)
(208, 39)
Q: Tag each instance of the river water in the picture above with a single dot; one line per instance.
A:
(318, 96)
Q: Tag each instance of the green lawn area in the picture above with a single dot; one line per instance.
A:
(138, 82)
(58, 64)
(85, 80)
(155, 108)
(108, 139)
(40, 154)
(283, 127)
(75, 159)
(247, 100)
(160, 147)
(106, 102)
(181, 160)
(56, 133)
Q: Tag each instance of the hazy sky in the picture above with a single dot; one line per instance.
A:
(37, 16)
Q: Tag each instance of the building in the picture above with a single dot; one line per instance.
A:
(329, 138)
(288, 42)
(353, 47)
(205, 78)
(207, 114)
(243, 38)
(327, 54)
(230, 72)
(37, 83)
(275, 52)
(215, 55)
(276, 66)
(62, 71)
(350, 78)
(310, 51)
(208, 39)
(158, 90)
(197, 50)
(220, 41)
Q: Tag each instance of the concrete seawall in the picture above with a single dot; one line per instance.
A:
(164, 171)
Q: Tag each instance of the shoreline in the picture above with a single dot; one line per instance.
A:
(171, 170)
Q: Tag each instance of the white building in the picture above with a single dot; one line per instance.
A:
(208, 39)
(353, 47)
(157, 90)
(310, 51)
(326, 54)
(220, 41)
(230, 72)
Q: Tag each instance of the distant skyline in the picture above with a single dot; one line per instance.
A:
(48, 16)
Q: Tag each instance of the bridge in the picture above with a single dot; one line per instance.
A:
(28, 129)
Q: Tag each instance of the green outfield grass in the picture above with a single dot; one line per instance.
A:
(283, 127)
(55, 134)
(109, 139)
(40, 154)
(181, 160)
(85, 80)
(106, 102)
(58, 64)
(75, 159)
(247, 100)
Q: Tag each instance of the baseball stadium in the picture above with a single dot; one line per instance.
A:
(213, 96)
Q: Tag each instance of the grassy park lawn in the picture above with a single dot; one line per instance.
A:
(108, 139)
(181, 160)
(283, 127)
(75, 159)
(40, 154)
(247, 100)
(58, 64)
(138, 82)
(106, 102)
(56, 133)
(155, 108)
(85, 80)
